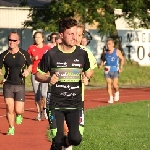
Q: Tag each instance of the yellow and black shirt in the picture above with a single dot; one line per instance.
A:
(14, 65)
(67, 93)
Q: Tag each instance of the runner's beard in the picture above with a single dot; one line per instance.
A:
(67, 45)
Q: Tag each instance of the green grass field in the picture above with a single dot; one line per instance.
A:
(131, 75)
(117, 127)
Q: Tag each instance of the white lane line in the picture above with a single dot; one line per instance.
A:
(2, 116)
(25, 101)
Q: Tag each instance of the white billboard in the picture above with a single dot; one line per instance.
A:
(135, 43)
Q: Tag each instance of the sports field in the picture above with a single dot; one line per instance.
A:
(31, 135)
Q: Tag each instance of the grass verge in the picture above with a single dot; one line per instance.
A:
(131, 75)
(117, 127)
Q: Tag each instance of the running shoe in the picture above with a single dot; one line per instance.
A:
(116, 97)
(110, 101)
(11, 131)
(19, 119)
(45, 114)
(39, 116)
(68, 148)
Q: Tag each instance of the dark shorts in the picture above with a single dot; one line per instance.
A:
(17, 92)
(112, 74)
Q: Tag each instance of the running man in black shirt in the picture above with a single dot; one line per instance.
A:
(14, 61)
(65, 62)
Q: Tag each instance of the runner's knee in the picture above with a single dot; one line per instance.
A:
(109, 85)
(115, 85)
(10, 108)
(19, 110)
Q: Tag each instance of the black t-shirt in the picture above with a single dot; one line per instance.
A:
(14, 65)
(67, 93)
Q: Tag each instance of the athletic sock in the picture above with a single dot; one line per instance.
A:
(117, 93)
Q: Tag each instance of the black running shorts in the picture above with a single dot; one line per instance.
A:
(17, 92)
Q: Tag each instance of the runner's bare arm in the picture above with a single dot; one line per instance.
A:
(88, 73)
(29, 68)
(119, 54)
(86, 76)
(46, 79)
(1, 72)
(27, 71)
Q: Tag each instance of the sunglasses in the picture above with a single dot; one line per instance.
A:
(12, 40)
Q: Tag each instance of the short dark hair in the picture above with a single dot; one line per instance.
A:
(66, 23)
(14, 32)
(85, 37)
(40, 32)
(53, 33)
(110, 39)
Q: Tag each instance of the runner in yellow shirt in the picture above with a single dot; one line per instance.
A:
(93, 65)
(93, 62)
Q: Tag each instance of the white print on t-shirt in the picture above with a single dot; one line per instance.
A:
(112, 58)
(67, 86)
(76, 65)
(61, 64)
(76, 60)
(69, 94)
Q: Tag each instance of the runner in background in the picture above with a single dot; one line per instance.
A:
(14, 61)
(36, 52)
(58, 40)
(92, 60)
(52, 38)
(85, 42)
(110, 59)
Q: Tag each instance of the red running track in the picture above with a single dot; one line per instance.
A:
(31, 134)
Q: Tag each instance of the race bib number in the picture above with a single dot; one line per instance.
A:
(106, 69)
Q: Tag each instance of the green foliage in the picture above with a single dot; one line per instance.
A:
(48, 16)
(138, 9)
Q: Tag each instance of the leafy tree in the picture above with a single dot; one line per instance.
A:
(87, 11)
(48, 15)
